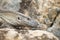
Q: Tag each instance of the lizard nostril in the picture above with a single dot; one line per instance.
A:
(28, 18)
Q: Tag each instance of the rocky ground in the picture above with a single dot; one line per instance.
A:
(29, 19)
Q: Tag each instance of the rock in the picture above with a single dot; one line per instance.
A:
(55, 29)
(38, 35)
(11, 34)
(7, 34)
(52, 14)
(10, 4)
(57, 3)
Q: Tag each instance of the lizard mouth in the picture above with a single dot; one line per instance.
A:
(28, 22)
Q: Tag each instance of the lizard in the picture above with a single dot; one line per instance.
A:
(17, 18)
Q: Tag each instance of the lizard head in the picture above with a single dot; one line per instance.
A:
(24, 20)
(16, 18)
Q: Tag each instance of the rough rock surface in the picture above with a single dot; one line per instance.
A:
(55, 29)
(11, 34)
(10, 4)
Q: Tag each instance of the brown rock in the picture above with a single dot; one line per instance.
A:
(11, 34)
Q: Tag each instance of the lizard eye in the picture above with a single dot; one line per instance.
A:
(19, 18)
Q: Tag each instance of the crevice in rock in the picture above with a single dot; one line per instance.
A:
(58, 11)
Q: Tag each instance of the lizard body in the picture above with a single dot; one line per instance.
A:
(16, 18)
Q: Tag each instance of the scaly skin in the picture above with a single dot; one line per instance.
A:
(16, 18)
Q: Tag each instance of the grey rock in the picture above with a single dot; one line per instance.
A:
(10, 4)
(55, 29)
